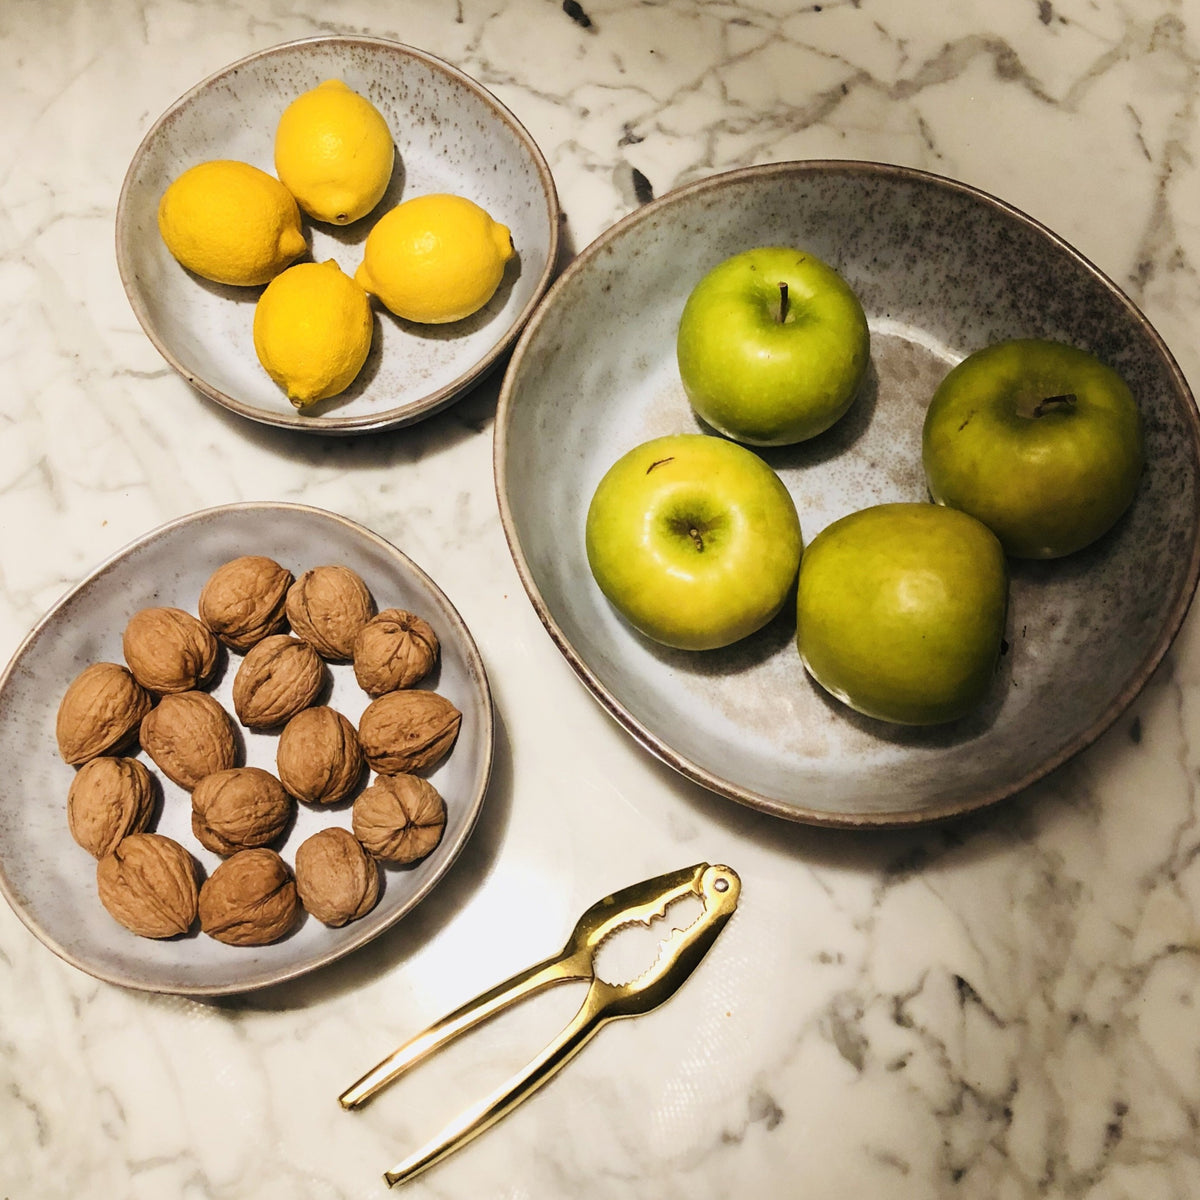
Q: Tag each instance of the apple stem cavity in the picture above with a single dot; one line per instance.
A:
(691, 527)
(783, 302)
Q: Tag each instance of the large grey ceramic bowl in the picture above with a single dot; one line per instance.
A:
(451, 136)
(942, 270)
(50, 881)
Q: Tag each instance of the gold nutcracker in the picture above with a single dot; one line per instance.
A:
(717, 887)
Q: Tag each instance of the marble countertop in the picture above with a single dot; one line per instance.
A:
(999, 1008)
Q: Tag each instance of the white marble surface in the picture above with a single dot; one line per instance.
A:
(998, 1009)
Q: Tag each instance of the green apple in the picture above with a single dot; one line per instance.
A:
(772, 346)
(694, 540)
(900, 611)
(1039, 440)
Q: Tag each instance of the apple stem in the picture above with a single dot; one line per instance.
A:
(783, 301)
(1050, 403)
(697, 537)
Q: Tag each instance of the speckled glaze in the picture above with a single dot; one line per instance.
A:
(50, 881)
(451, 136)
(941, 269)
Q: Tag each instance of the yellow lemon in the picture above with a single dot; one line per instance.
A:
(334, 152)
(230, 222)
(312, 331)
(435, 258)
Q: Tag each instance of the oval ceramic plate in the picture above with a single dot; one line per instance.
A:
(50, 881)
(451, 136)
(941, 270)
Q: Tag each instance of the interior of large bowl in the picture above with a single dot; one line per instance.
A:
(451, 135)
(941, 270)
(50, 881)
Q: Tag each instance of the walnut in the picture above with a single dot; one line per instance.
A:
(100, 712)
(239, 808)
(189, 735)
(337, 880)
(168, 650)
(318, 757)
(394, 650)
(407, 730)
(399, 818)
(243, 600)
(327, 607)
(108, 799)
(250, 899)
(148, 884)
(276, 679)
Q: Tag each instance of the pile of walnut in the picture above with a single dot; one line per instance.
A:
(151, 883)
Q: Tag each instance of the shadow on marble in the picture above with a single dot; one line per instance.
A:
(887, 853)
(567, 244)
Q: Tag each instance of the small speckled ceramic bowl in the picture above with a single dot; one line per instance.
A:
(941, 270)
(451, 135)
(50, 881)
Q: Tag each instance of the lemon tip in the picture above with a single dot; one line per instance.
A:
(504, 241)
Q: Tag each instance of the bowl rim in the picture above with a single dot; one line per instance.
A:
(414, 410)
(614, 706)
(354, 938)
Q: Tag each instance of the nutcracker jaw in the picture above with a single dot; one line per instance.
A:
(718, 887)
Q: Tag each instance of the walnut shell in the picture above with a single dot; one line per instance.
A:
(168, 650)
(108, 799)
(326, 607)
(239, 808)
(243, 600)
(318, 756)
(276, 679)
(408, 730)
(399, 818)
(395, 649)
(189, 735)
(100, 712)
(148, 884)
(250, 899)
(336, 878)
